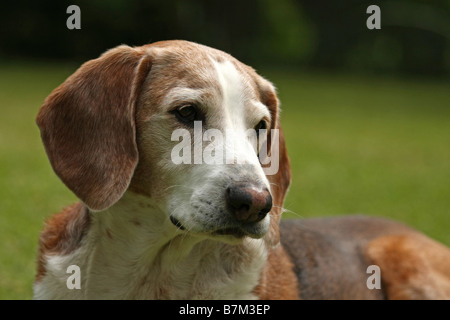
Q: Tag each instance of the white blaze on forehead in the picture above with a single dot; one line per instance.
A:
(240, 111)
(231, 83)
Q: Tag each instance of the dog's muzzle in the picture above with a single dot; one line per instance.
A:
(246, 204)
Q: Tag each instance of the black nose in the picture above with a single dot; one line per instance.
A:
(248, 202)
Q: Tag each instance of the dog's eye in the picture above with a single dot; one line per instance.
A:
(187, 113)
(261, 125)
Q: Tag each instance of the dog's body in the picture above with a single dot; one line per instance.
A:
(335, 262)
(148, 228)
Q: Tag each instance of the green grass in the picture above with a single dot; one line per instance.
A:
(29, 190)
(357, 145)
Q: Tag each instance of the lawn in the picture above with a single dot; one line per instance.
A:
(357, 145)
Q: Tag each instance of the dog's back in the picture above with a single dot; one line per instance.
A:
(331, 258)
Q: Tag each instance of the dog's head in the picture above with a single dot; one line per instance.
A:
(181, 123)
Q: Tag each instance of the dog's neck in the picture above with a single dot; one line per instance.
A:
(133, 251)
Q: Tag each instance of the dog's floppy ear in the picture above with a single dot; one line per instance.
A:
(279, 184)
(88, 126)
(280, 181)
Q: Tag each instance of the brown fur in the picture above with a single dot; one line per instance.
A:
(95, 161)
(278, 281)
(413, 266)
(331, 257)
(279, 183)
(63, 234)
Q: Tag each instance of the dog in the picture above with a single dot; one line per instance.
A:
(149, 228)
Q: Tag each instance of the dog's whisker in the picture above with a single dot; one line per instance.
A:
(285, 210)
(292, 212)
(179, 185)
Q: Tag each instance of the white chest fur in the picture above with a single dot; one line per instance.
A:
(132, 251)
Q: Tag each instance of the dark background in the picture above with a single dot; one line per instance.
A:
(313, 34)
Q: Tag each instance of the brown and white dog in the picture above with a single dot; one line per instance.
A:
(147, 228)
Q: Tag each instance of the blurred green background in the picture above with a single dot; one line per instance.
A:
(366, 113)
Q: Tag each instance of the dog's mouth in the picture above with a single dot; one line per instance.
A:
(237, 232)
(177, 223)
